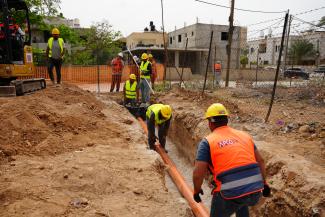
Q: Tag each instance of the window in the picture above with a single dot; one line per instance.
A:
(277, 48)
(252, 50)
(170, 40)
(224, 36)
(262, 48)
(192, 33)
(185, 35)
(179, 38)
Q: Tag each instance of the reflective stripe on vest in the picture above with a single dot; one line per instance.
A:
(235, 170)
(155, 108)
(50, 45)
(144, 69)
(130, 91)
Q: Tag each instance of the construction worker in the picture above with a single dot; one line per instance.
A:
(117, 68)
(145, 76)
(134, 68)
(154, 70)
(236, 164)
(217, 71)
(131, 91)
(55, 53)
(158, 115)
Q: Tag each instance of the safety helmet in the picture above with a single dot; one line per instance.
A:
(135, 58)
(166, 111)
(55, 31)
(216, 109)
(120, 54)
(150, 55)
(144, 56)
(133, 77)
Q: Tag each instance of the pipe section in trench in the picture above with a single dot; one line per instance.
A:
(198, 209)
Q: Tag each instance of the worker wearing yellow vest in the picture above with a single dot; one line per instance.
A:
(145, 76)
(131, 91)
(158, 115)
(55, 53)
(154, 70)
(235, 163)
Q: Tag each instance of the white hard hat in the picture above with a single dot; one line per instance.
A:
(120, 54)
(135, 58)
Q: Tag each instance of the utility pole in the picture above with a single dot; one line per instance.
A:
(230, 33)
(164, 38)
(287, 45)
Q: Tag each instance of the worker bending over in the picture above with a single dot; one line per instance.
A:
(131, 91)
(145, 76)
(158, 115)
(236, 164)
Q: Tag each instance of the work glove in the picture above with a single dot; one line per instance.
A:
(197, 197)
(266, 190)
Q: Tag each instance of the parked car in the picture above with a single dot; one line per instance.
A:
(321, 69)
(296, 73)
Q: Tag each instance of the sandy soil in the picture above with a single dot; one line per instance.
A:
(65, 153)
(295, 163)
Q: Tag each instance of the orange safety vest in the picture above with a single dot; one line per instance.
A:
(117, 66)
(217, 67)
(234, 167)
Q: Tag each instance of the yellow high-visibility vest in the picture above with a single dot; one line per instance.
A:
(50, 45)
(130, 90)
(155, 108)
(144, 69)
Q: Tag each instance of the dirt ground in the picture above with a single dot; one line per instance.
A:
(65, 153)
(295, 163)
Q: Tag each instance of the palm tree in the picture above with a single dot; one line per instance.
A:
(301, 49)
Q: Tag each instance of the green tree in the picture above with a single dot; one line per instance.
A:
(243, 60)
(321, 22)
(300, 49)
(100, 42)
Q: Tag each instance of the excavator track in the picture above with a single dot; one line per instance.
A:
(22, 87)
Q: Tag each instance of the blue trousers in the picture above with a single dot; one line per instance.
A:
(145, 90)
(221, 207)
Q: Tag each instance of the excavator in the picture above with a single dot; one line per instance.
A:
(16, 54)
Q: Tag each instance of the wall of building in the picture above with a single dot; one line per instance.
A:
(145, 38)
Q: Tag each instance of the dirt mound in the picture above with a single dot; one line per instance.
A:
(297, 182)
(37, 124)
(73, 155)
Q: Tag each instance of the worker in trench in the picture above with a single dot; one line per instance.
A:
(158, 115)
(237, 167)
(131, 91)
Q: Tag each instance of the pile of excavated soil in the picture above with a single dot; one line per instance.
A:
(296, 176)
(65, 153)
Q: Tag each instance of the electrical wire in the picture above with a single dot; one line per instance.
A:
(312, 24)
(240, 9)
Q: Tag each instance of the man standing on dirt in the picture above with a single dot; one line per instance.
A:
(217, 72)
(117, 68)
(55, 53)
(145, 75)
(236, 165)
(158, 115)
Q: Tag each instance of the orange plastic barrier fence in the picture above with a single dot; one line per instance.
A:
(88, 74)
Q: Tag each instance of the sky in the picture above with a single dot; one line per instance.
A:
(130, 16)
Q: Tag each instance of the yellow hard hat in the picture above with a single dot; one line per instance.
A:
(166, 111)
(216, 109)
(150, 55)
(133, 77)
(144, 56)
(55, 31)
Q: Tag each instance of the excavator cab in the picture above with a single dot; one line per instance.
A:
(16, 55)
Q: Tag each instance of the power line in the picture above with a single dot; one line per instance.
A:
(312, 24)
(309, 11)
(240, 9)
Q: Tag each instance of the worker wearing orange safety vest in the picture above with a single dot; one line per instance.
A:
(158, 115)
(117, 68)
(217, 72)
(236, 165)
(131, 91)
